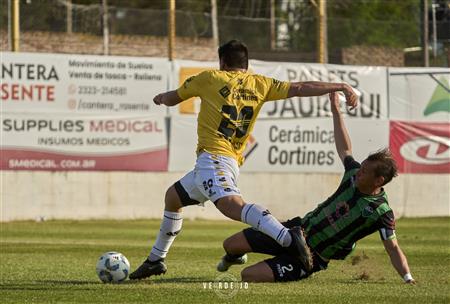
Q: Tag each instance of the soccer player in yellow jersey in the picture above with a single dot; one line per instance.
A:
(231, 99)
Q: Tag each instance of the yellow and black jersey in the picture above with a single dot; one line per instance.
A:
(230, 103)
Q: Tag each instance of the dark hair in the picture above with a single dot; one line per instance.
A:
(234, 54)
(385, 164)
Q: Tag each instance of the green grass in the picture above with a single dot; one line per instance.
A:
(54, 262)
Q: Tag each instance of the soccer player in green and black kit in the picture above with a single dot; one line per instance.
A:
(358, 208)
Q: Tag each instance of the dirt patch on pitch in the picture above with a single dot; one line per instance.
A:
(360, 267)
(357, 259)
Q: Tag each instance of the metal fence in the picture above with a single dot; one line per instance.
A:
(278, 29)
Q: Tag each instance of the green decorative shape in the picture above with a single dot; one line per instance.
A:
(440, 101)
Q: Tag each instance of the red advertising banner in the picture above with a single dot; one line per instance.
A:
(19, 159)
(420, 147)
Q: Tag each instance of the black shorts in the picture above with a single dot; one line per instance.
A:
(284, 266)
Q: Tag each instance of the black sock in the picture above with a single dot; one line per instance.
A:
(232, 257)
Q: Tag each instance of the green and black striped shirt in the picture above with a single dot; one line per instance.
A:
(347, 216)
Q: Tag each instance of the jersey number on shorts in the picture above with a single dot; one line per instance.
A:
(236, 122)
(287, 268)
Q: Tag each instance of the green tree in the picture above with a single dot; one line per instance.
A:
(373, 22)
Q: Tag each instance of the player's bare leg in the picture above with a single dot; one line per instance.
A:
(236, 247)
(260, 272)
(170, 227)
(231, 206)
(237, 244)
(260, 218)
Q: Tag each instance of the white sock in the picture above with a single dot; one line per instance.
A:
(170, 227)
(261, 219)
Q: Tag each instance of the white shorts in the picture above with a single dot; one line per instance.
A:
(213, 177)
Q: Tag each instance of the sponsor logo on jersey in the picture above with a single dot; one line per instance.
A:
(367, 211)
(277, 84)
(342, 209)
(225, 91)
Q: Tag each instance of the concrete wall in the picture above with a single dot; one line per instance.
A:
(129, 195)
(185, 48)
(142, 46)
(373, 55)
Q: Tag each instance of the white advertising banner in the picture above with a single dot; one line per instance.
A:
(182, 142)
(83, 142)
(33, 82)
(285, 145)
(420, 94)
(75, 112)
(292, 145)
(370, 81)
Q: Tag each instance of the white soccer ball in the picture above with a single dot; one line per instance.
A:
(113, 267)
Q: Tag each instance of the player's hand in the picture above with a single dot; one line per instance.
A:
(158, 99)
(334, 102)
(350, 97)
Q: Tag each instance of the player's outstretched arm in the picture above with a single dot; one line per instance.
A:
(169, 98)
(398, 260)
(341, 138)
(318, 88)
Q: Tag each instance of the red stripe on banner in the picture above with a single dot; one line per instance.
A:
(420, 147)
(12, 159)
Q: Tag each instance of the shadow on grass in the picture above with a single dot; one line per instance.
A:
(47, 285)
(69, 282)
(363, 281)
(183, 280)
(92, 285)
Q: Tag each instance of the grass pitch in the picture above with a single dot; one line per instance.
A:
(54, 262)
